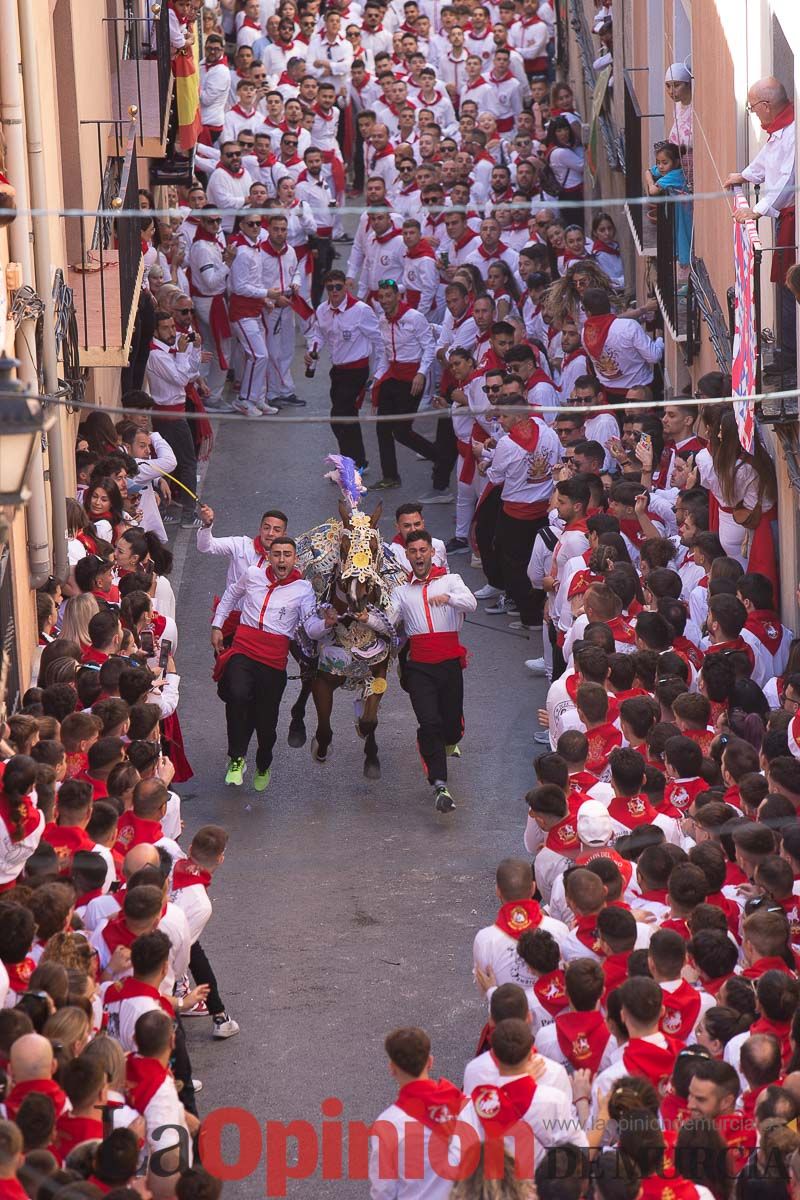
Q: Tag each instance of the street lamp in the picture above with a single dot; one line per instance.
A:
(22, 421)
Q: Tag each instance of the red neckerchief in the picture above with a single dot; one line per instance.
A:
(29, 813)
(501, 1107)
(292, 577)
(71, 1131)
(186, 873)
(423, 249)
(143, 1078)
(525, 434)
(563, 837)
(681, 1010)
(434, 573)
(595, 333)
(349, 301)
(732, 796)
(767, 628)
(116, 933)
(622, 631)
(326, 116)
(134, 831)
(601, 247)
(730, 908)
(688, 651)
(615, 970)
(66, 840)
(551, 992)
(269, 249)
(602, 741)
(715, 986)
(465, 239)
(19, 974)
(659, 895)
(779, 1030)
(389, 236)
(783, 120)
(500, 78)
(233, 174)
(87, 897)
(248, 24)
(633, 530)
(653, 1062)
(674, 1110)
(476, 83)
(399, 312)
(237, 108)
(48, 1087)
(517, 916)
(738, 644)
(435, 1103)
(734, 875)
(491, 255)
(582, 1037)
(677, 925)
(739, 1135)
(134, 989)
(791, 906)
(762, 965)
(585, 930)
(632, 811)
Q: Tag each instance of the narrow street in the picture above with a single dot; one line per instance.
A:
(344, 908)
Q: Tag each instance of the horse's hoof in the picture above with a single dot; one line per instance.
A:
(297, 734)
(317, 755)
(372, 768)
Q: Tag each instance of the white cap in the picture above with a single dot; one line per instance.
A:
(678, 73)
(594, 824)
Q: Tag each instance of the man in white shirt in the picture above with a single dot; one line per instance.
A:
(774, 169)
(406, 355)
(621, 352)
(169, 369)
(251, 675)
(491, 249)
(243, 551)
(495, 946)
(348, 329)
(229, 184)
(281, 277)
(151, 1090)
(409, 520)
(248, 308)
(155, 458)
(430, 608)
(209, 267)
(215, 83)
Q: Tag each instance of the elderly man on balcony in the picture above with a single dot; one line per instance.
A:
(773, 168)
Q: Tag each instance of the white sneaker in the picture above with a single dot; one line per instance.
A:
(536, 666)
(224, 1026)
(197, 1010)
(197, 1084)
(475, 562)
(267, 410)
(542, 738)
(245, 407)
(487, 592)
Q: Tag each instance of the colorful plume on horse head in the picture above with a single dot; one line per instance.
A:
(345, 474)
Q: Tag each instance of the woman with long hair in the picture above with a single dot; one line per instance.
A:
(100, 433)
(21, 822)
(744, 488)
(503, 288)
(565, 157)
(78, 612)
(563, 300)
(103, 503)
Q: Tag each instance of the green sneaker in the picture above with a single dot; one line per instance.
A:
(261, 780)
(236, 770)
(453, 751)
(444, 801)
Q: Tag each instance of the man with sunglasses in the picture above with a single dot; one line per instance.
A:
(348, 329)
(215, 86)
(209, 270)
(248, 306)
(229, 184)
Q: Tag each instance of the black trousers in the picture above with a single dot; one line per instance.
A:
(485, 531)
(447, 453)
(394, 399)
(252, 693)
(437, 697)
(182, 1069)
(346, 387)
(203, 972)
(179, 436)
(514, 540)
(322, 263)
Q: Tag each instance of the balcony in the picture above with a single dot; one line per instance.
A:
(642, 228)
(672, 292)
(583, 38)
(141, 75)
(106, 281)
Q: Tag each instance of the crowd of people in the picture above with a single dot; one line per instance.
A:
(641, 975)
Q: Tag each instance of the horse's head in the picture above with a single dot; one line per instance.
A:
(360, 556)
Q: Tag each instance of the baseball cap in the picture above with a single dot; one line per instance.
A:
(594, 824)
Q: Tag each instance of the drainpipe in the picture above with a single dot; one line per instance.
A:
(44, 283)
(19, 239)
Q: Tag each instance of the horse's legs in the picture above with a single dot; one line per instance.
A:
(297, 725)
(322, 689)
(367, 724)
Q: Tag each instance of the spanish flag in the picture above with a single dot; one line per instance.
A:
(187, 92)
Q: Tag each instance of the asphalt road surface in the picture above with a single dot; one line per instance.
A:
(345, 908)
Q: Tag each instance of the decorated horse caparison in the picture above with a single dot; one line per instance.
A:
(353, 575)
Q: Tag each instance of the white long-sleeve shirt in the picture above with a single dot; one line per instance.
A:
(247, 270)
(420, 275)
(279, 269)
(406, 339)
(483, 258)
(215, 84)
(168, 373)
(337, 55)
(628, 356)
(383, 259)
(526, 476)
(349, 333)
(161, 460)
(209, 274)
(773, 167)
(241, 552)
(275, 608)
(411, 605)
(228, 192)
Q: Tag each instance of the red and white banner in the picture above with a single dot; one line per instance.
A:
(745, 341)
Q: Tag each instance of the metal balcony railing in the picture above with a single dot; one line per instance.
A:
(672, 291)
(142, 73)
(106, 282)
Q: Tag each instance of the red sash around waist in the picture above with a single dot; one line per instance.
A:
(271, 649)
(436, 648)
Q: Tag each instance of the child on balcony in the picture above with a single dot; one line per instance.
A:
(667, 177)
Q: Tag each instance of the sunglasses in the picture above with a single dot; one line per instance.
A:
(491, 388)
(233, 154)
(334, 287)
(288, 143)
(214, 220)
(392, 283)
(184, 311)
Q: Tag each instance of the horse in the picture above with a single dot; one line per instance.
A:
(354, 654)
